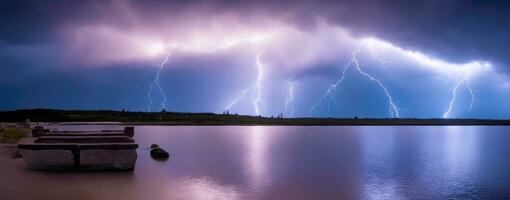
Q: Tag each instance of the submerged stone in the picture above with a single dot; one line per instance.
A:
(158, 153)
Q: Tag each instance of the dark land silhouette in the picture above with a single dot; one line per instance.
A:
(178, 118)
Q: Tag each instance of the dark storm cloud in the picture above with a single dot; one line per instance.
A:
(455, 30)
(29, 22)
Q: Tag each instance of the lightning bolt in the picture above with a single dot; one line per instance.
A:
(257, 87)
(290, 98)
(466, 81)
(238, 98)
(187, 48)
(155, 83)
(393, 109)
(332, 88)
(450, 69)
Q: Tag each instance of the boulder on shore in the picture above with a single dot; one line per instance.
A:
(158, 153)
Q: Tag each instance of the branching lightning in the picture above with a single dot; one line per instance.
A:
(290, 99)
(190, 48)
(452, 70)
(466, 81)
(155, 83)
(256, 94)
(329, 93)
(436, 65)
(393, 109)
(257, 87)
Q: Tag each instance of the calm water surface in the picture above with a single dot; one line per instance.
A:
(254, 162)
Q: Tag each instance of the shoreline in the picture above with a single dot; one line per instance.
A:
(374, 122)
(111, 117)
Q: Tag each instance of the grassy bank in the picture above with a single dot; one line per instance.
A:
(13, 134)
(175, 118)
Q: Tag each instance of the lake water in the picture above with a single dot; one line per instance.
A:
(285, 162)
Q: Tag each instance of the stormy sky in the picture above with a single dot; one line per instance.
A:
(426, 58)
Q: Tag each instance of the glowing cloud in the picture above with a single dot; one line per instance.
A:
(440, 66)
(287, 50)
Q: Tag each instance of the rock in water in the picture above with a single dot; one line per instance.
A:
(158, 153)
